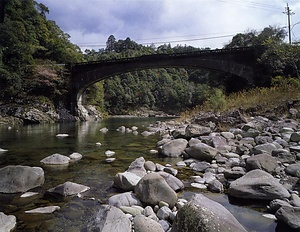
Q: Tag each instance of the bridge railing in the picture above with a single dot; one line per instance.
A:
(170, 55)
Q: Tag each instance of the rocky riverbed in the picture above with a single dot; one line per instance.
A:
(255, 159)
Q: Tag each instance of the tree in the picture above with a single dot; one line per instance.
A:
(110, 43)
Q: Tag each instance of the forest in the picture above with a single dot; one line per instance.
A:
(33, 50)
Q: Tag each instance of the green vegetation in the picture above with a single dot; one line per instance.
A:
(31, 47)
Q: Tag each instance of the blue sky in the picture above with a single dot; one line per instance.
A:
(199, 23)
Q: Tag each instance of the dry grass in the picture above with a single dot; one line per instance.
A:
(259, 99)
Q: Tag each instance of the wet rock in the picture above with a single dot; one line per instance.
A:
(124, 199)
(56, 159)
(18, 178)
(7, 222)
(258, 184)
(174, 148)
(153, 188)
(68, 189)
(109, 218)
(202, 214)
(146, 224)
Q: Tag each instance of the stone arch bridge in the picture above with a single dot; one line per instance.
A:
(240, 62)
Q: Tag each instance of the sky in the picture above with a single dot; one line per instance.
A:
(197, 23)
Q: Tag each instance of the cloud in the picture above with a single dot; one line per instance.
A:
(146, 21)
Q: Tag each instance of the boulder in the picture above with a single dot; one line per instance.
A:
(202, 152)
(68, 189)
(7, 222)
(146, 224)
(289, 216)
(204, 215)
(257, 184)
(15, 179)
(124, 199)
(109, 218)
(195, 130)
(263, 161)
(126, 180)
(56, 159)
(174, 148)
(153, 188)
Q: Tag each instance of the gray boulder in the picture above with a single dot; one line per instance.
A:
(202, 152)
(195, 130)
(264, 148)
(289, 216)
(293, 170)
(172, 181)
(284, 156)
(263, 161)
(153, 188)
(15, 179)
(126, 180)
(258, 184)
(110, 218)
(124, 199)
(137, 167)
(7, 222)
(68, 189)
(146, 224)
(204, 215)
(174, 148)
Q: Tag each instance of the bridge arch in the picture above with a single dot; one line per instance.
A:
(239, 62)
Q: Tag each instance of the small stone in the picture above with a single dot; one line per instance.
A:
(199, 186)
(28, 194)
(62, 135)
(109, 153)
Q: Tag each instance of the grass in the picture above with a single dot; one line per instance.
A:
(261, 100)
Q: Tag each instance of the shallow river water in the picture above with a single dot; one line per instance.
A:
(29, 144)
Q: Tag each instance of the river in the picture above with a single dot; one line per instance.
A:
(29, 144)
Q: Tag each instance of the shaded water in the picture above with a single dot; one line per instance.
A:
(27, 145)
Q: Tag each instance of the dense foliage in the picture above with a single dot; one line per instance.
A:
(29, 40)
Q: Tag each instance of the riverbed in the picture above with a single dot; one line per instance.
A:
(29, 144)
